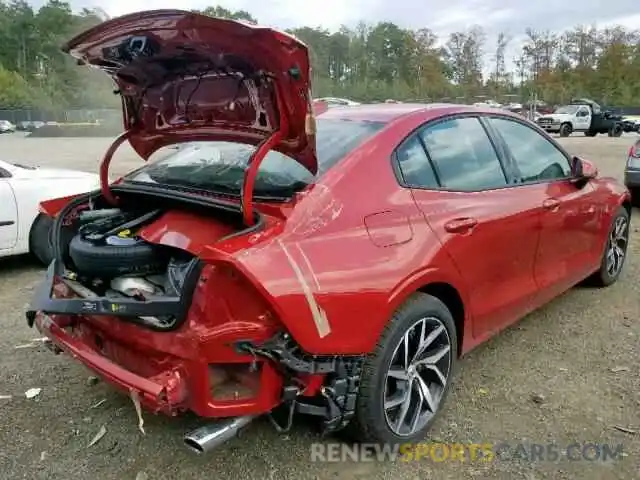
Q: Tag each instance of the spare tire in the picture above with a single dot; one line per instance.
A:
(103, 260)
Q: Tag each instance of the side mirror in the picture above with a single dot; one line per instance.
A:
(583, 169)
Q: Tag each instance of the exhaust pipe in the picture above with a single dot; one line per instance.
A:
(209, 437)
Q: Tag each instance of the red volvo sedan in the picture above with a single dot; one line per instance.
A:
(280, 262)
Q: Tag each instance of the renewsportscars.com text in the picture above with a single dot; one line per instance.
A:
(466, 452)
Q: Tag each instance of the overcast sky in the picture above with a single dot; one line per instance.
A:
(443, 17)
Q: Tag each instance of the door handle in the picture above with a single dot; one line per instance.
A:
(551, 204)
(460, 225)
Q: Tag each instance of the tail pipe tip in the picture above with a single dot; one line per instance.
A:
(211, 436)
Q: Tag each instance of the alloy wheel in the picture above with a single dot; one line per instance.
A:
(417, 376)
(617, 246)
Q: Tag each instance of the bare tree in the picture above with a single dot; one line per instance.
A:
(541, 50)
(463, 52)
(500, 68)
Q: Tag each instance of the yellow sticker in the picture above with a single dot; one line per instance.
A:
(124, 233)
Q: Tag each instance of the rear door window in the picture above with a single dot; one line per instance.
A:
(414, 164)
(463, 155)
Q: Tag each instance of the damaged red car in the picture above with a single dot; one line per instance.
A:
(283, 262)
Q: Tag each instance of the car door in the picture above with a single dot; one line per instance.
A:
(488, 229)
(8, 213)
(583, 118)
(569, 235)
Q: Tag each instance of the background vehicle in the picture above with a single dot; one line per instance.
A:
(226, 277)
(22, 228)
(631, 124)
(582, 115)
(6, 126)
(490, 104)
(29, 126)
(337, 102)
(632, 173)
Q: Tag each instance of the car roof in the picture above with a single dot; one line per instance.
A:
(388, 112)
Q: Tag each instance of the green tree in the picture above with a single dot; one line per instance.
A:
(370, 62)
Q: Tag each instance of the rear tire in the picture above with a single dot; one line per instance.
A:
(40, 244)
(615, 252)
(388, 379)
(615, 131)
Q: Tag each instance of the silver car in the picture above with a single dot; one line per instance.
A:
(632, 173)
(6, 126)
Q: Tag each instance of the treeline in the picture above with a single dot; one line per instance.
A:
(367, 63)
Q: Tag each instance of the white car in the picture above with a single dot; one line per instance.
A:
(488, 104)
(6, 126)
(337, 102)
(22, 228)
(631, 123)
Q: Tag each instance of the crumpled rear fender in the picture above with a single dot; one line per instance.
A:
(54, 206)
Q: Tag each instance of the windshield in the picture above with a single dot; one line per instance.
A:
(220, 166)
(567, 109)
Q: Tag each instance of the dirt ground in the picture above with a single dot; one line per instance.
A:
(579, 357)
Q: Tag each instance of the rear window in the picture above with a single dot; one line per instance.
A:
(220, 166)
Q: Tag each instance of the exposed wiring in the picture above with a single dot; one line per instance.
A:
(232, 103)
(188, 101)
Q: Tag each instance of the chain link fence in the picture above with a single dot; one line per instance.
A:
(67, 116)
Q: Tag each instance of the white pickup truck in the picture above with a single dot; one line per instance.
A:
(581, 116)
(567, 119)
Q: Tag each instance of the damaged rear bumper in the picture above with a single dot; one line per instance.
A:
(170, 371)
(165, 392)
(85, 302)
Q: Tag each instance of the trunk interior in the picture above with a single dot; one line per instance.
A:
(141, 253)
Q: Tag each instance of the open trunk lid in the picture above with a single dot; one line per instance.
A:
(184, 77)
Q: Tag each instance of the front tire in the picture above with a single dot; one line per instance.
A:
(615, 252)
(407, 377)
(565, 130)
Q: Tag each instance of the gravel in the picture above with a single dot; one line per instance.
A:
(566, 373)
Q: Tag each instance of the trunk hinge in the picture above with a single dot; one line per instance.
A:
(104, 167)
(258, 156)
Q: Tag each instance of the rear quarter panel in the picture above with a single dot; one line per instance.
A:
(611, 195)
(349, 254)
